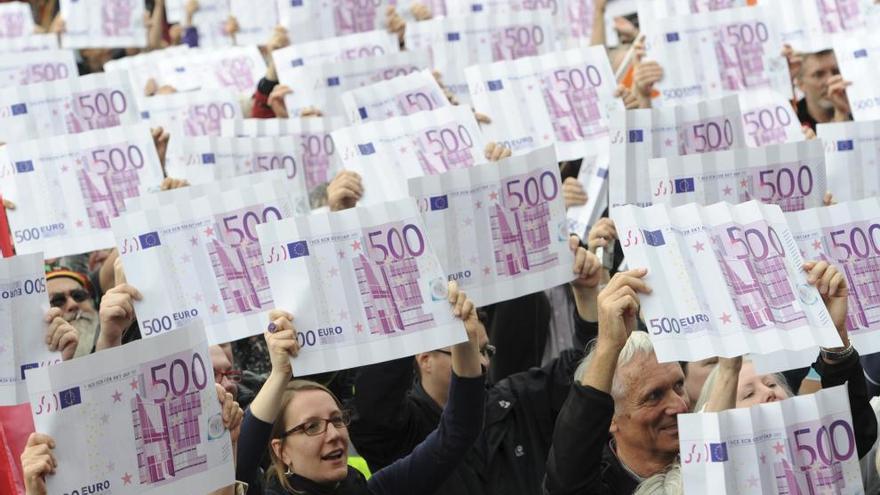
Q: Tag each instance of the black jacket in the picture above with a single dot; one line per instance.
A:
(393, 414)
(582, 433)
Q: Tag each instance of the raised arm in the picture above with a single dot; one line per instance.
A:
(723, 394)
(574, 463)
(433, 460)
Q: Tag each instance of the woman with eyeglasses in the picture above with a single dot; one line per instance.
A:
(305, 427)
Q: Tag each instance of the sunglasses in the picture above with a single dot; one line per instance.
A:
(318, 426)
(231, 375)
(59, 299)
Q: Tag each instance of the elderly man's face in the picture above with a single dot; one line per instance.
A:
(814, 76)
(645, 416)
(69, 295)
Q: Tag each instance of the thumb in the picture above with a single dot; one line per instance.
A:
(118, 272)
(573, 243)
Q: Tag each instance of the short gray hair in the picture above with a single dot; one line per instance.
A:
(637, 343)
(665, 483)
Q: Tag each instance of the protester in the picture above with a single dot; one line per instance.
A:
(71, 301)
(624, 391)
(305, 426)
(818, 78)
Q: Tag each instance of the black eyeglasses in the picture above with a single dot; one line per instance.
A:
(488, 350)
(318, 426)
(58, 299)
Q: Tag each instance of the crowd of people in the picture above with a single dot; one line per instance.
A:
(557, 392)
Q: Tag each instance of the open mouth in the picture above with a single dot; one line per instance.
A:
(333, 456)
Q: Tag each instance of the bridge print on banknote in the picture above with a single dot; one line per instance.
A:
(574, 109)
(353, 17)
(862, 271)
(759, 285)
(104, 194)
(166, 422)
(389, 288)
(740, 61)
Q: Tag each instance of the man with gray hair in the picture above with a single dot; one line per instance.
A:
(618, 425)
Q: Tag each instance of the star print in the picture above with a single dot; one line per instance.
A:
(817, 245)
(79, 223)
(356, 245)
(479, 204)
(753, 482)
(2, 349)
(668, 142)
(198, 298)
(186, 258)
(194, 241)
(134, 384)
(64, 168)
(779, 448)
(763, 459)
(111, 466)
(473, 260)
(343, 315)
(493, 196)
(209, 232)
(126, 479)
(727, 191)
(341, 254)
(105, 418)
(468, 222)
(54, 112)
(546, 137)
(389, 113)
(725, 318)
(698, 246)
(744, 183)
(215, 308)
(117, 396)
(334, 271)
(359, 328)
(487, 271)
(402, 150)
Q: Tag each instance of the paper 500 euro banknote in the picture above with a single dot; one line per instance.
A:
(31, 68)
(96, 101)
(137, 419)
(103, 24)
(193, 113)
(765, 304)
(16, 20)
(859, 59)
(847, 235)
(23, 305)
(499, 229)
(338, 49)
(789, 175)
(806, 444)
(730, 51)
(364, 285)
(68, 188)
(213, 267)
(388, 152)
(400, 96)
(562, 98)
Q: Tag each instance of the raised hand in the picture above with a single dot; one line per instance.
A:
(276, 100)
(619, 307)
(37, 461)
(169, 183)
(60, 334)
(344, 190)
(834, 291)
(601, 234)
(466, 356)
(495, 152)
(281, 340)
(231, 413)
(117, 310)
(836, 94)
(573, 192)
(587, 267)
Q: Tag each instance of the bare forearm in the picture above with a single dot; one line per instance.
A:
(723, 394)
(587, 303)
(597, 36)
(267, 404)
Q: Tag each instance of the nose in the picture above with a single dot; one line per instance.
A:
(70, 305)
(677, 405)
(332, 432)
(770, 396)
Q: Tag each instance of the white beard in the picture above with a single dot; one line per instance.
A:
(86, 324)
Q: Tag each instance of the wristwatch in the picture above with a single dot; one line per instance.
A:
(838, 356)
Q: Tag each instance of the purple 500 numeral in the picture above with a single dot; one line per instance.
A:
(419, 100)
(754, 242)
(832, 453)
(745, 33)
(180, 371)
(117, 159)
(524, 36)
(712, 136)
(860, 243)
(767, 120)
(247, 223)
(101, 104)
(533, 189)
(398, 242)
(313, 144)
(277, 163)
(784, 185)
(577, 79)
(47, 72)
(449, 141)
